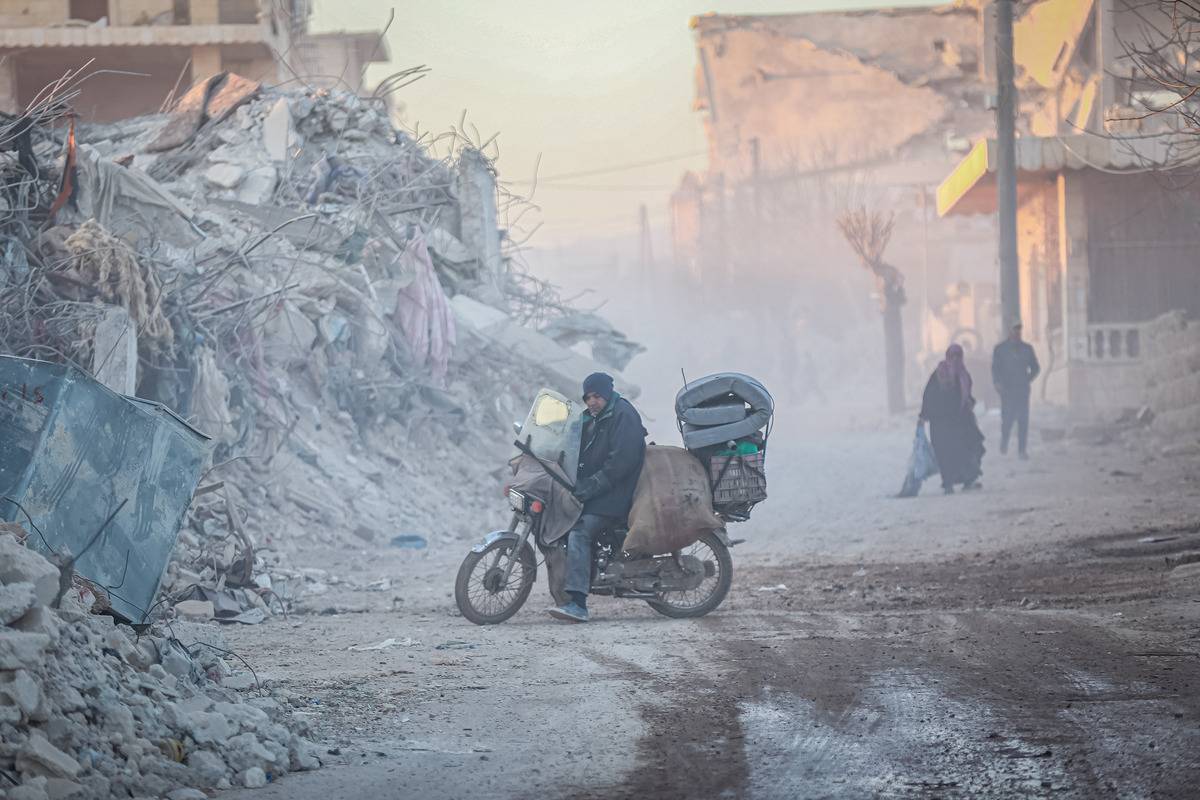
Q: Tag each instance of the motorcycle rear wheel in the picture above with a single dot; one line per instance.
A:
(479, 591)
(688, 605)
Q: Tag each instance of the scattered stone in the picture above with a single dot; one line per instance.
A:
(19, 650)
(226, 176)
(241, 682)
(187, 794)
(208, 768)
(62, 789)
(254, 778)
(30, 790)
(19, 564)
(195, 609)
(89, 711)
(16, 599)
(23, 691)
(209, 728)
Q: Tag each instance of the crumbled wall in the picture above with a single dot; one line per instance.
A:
(32, 13)
(1171, 374)
(137, 12)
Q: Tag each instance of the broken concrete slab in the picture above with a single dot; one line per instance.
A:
(207, 102)
(115, 351)
(226, 176)
(258, 186)
(22, 690)
(195, 609)
(565, 368)
(278, 136)
(16, 599)
(19, 564)
(39, 757)
(476, 315)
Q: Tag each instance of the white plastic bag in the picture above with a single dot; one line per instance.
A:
(922, 464)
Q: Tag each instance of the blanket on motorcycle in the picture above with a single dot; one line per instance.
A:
(562, 509)
(672, 506)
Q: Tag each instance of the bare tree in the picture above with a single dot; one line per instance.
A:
(868, 233)
(1162, 80)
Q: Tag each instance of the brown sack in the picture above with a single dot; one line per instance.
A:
(672, 505)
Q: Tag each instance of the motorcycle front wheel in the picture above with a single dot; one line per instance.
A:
(480, 590)
(718, 568)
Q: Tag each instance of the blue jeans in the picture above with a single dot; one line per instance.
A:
(580, 540)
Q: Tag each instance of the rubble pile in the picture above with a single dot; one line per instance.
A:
(90, 710)
(312, 288)
(339, 310)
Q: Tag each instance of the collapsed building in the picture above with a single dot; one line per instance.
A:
(1106, 209)
(338, 318)
(809, 113)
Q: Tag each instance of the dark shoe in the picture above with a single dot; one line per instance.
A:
(947, 490)
(571, 612)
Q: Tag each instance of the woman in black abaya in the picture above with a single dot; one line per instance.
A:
(953, 431)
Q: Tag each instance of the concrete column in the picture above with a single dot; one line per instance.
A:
(206, 12)
(9, 99)
(206, 62)
(115, 351)
(1109, 53)
(477, 200)
(1073, 263)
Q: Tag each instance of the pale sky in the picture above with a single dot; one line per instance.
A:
(587, 85)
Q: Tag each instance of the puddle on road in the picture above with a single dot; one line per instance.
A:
(903, 737)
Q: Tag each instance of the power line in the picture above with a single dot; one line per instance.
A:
(616, 167)
(584, 187)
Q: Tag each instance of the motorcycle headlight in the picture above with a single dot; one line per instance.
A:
(516, 500)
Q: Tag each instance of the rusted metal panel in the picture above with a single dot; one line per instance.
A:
(71, 451)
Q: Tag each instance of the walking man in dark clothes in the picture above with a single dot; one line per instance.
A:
(1014, 367)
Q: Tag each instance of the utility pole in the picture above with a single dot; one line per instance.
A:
(646, 256)
(1006, 166)
(756, 177)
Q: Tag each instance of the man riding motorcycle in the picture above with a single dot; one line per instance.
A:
(611, 454)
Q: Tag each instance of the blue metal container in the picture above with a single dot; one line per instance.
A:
(71, 450)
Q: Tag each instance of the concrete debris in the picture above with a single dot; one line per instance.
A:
(321, 295)
(93, 711)
(226, 176)
(609, 346)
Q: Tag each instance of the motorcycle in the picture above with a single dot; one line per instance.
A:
(498, 574)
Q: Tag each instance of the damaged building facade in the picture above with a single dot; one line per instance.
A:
(808, 114)
(1106, 209)
(140, 53)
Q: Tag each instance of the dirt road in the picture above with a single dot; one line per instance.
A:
(1037, 639)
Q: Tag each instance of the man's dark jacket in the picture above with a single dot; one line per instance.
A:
(1014, 366)
(611, 454)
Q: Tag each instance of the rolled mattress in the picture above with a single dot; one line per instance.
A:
(722, 407)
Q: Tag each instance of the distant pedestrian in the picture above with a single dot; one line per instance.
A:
(1014, 368)
(950, 408)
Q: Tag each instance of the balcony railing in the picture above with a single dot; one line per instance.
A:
(1115, 342)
